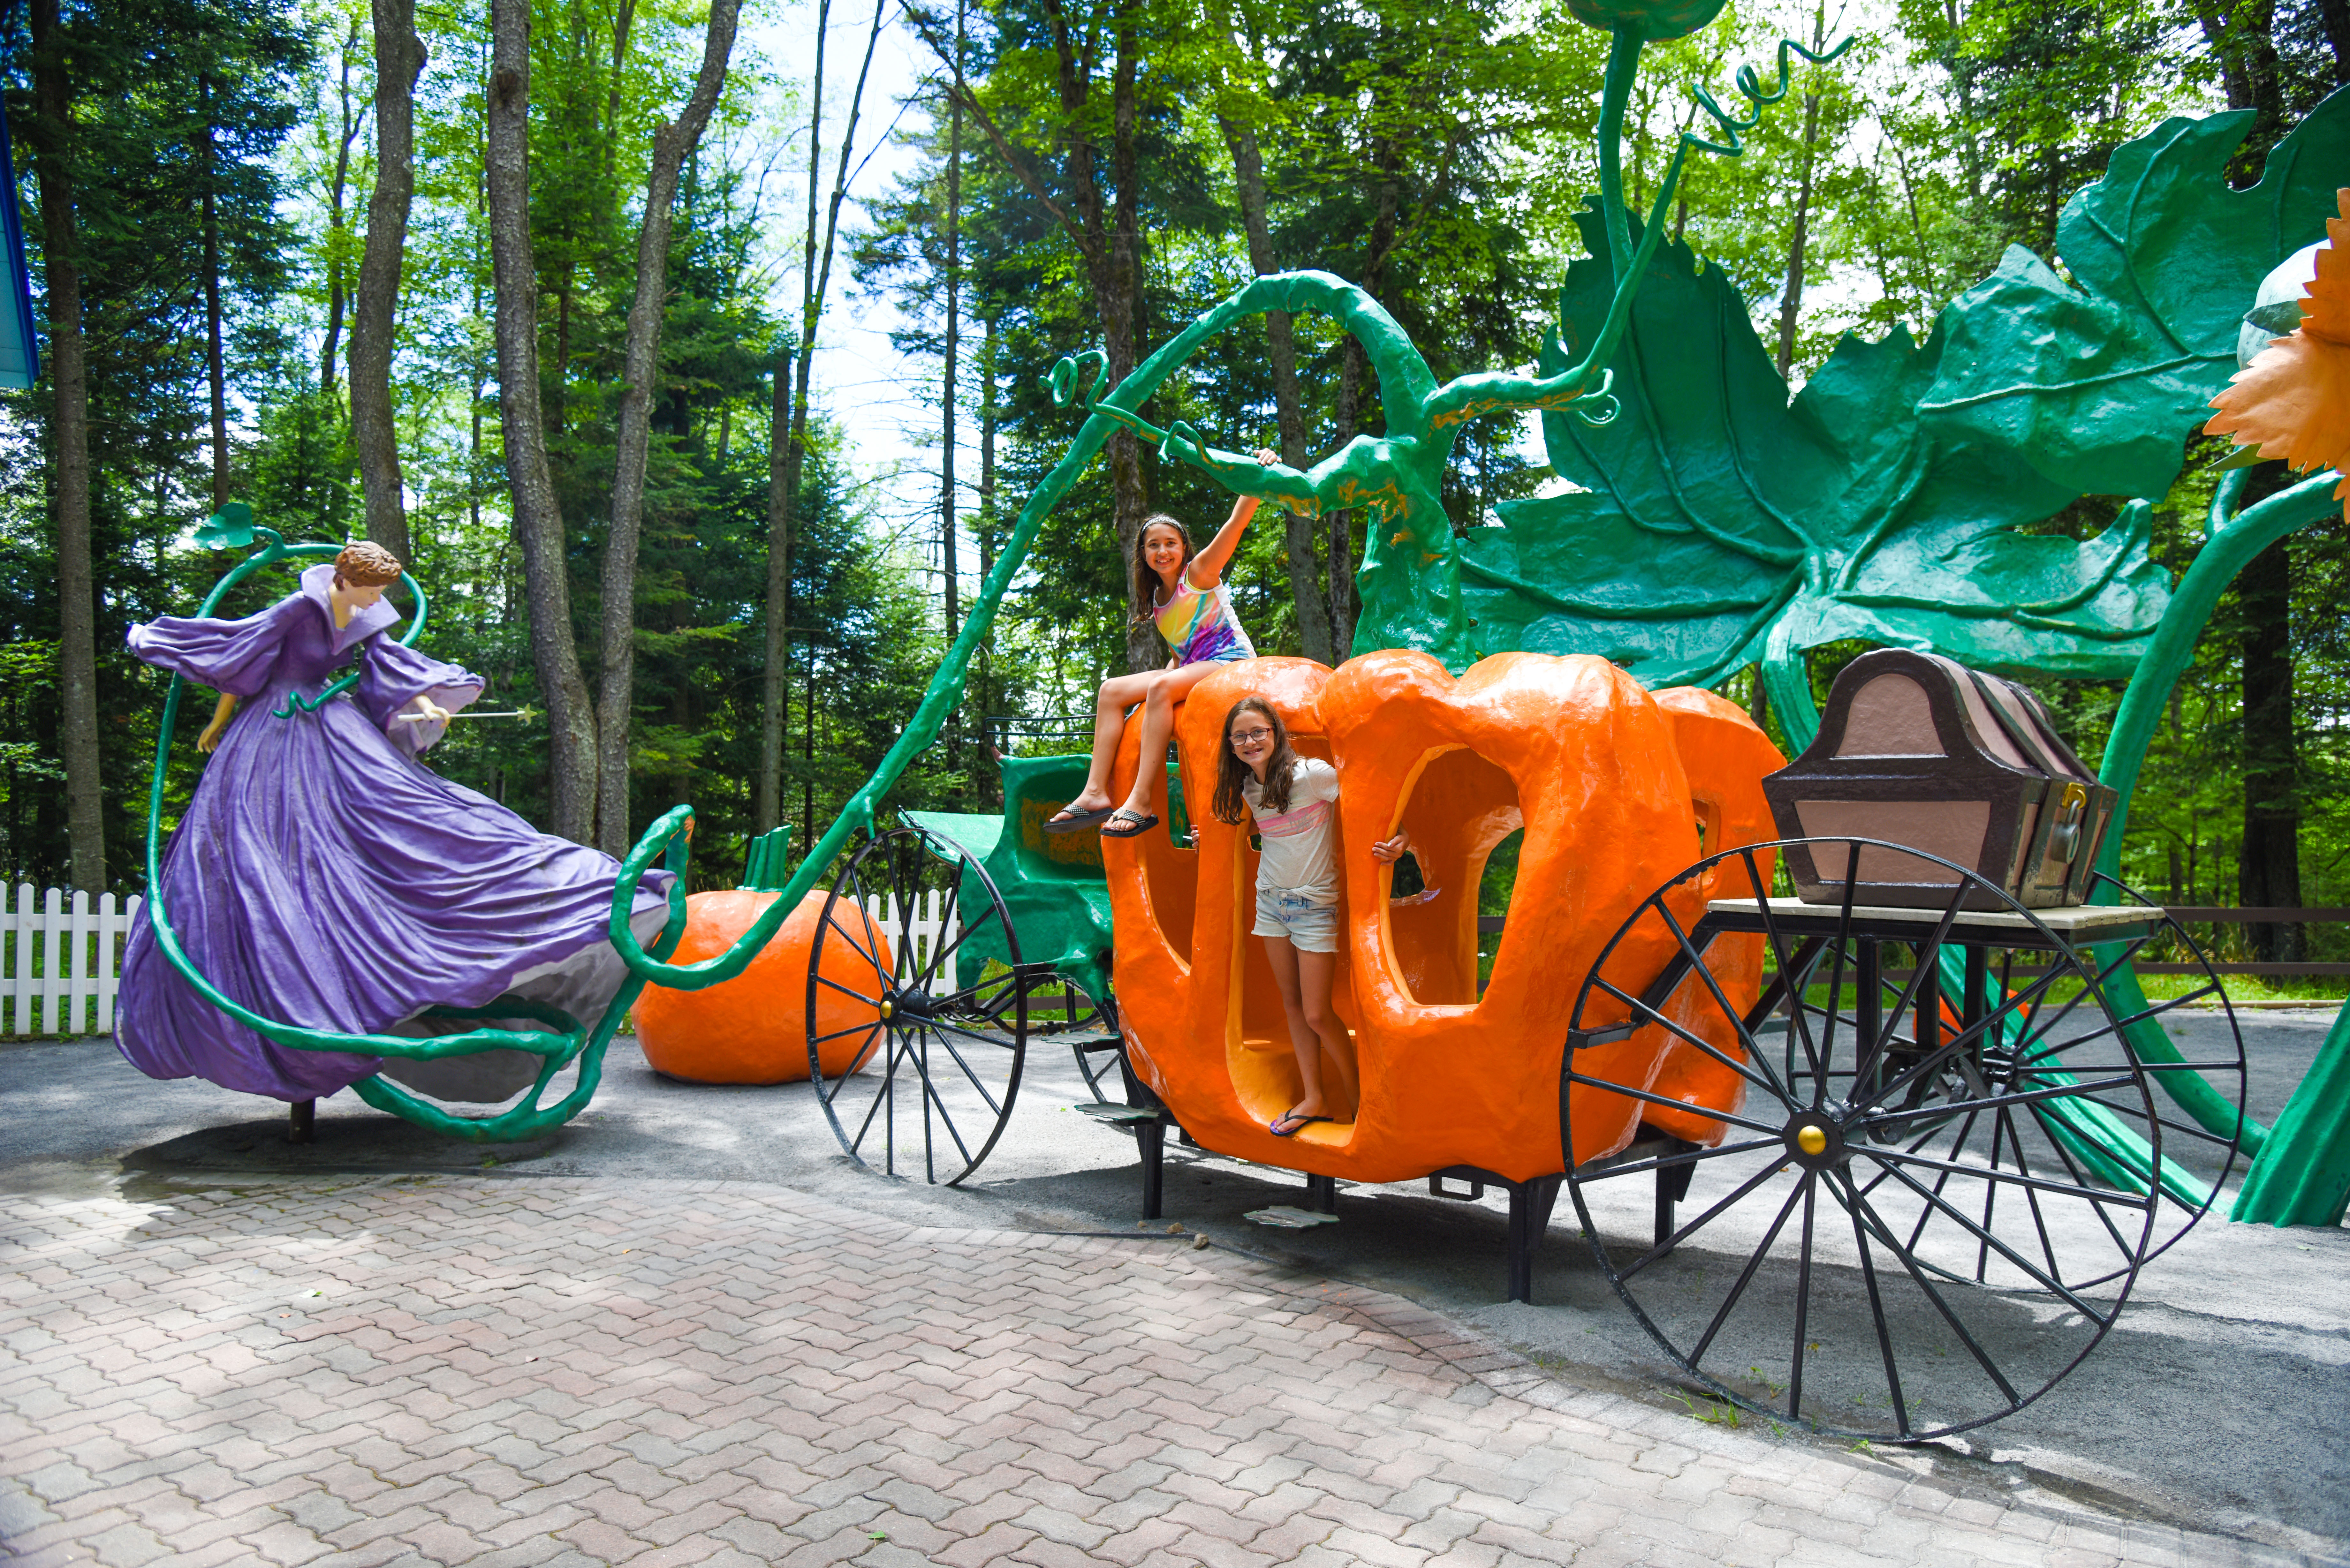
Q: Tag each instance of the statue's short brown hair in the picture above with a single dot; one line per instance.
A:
(367, 566)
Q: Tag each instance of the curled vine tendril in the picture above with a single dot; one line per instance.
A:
(1750, 84)
(1598, 407)
(1066, 389)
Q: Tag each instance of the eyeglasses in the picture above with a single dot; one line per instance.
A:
(1250, 737)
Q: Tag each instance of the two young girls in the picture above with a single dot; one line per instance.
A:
(1291, 796)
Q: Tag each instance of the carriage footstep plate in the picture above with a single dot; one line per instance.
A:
(1120, 1113)
(1281, 1217)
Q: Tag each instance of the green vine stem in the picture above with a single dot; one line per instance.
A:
(2229, 543)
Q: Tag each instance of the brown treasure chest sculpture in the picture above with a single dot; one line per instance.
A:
(1918, 750)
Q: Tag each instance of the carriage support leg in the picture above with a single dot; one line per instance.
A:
(1530, 1203)
(1322, 1193)
(1672, 1186)
(1151, 1141)
(300, 1116)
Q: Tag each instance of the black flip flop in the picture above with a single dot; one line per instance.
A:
(1273, 1127)
(1077, 822)
(1143, 822)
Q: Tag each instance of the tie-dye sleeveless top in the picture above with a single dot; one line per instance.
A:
(1201, 628)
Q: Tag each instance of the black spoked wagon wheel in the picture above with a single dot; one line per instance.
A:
(930, 1085)
(1933, 1159)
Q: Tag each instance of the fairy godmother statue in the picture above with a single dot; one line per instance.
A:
(324, 876)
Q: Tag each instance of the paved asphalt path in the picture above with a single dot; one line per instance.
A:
(142, 1221)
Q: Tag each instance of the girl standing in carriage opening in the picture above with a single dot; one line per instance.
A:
(322, 875)
(1297, 892)
(1181, 593)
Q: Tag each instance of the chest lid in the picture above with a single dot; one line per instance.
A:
(1894, 705)
(1918, 750)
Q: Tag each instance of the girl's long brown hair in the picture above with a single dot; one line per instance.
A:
(1232, 774)
(1146, 581)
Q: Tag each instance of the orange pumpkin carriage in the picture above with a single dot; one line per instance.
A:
(1653, 1032)
(1615, 791)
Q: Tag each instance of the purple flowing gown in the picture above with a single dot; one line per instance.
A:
(324, 877)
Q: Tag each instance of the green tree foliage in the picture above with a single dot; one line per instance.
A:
(148, 79)
(1437, 155)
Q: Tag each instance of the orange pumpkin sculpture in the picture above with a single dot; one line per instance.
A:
(752, 1029)
(1616, 790)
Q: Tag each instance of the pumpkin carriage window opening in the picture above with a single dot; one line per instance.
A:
(1495, 888)
(1460, 809)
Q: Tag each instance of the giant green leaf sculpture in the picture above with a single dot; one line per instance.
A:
(1721, 524)
(2095, 384)
(1717, 514)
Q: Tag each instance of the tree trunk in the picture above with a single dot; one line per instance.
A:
(337, 301)
(621, 22)
(949, 568)
(2240, 36)
(2335, 15)
(1341, 574)
(537, 520)
(69, 451)
(1791, 298)
(1281, 350)
(775, 685)
(1108, 238)
(808, 754)
(990, 792)
(2268, 872)
(783, 483)
(815, 279)
(215, 366)
(616, 704)
(398, 60)
(1353, 365)
(987, 445)
(1117, 292)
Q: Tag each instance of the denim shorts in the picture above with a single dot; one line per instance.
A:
(1310, 927)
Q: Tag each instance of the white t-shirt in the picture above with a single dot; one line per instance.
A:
(1297, 856)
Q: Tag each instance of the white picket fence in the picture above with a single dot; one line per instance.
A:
(63, 959)
(61, 954)
(933, 926)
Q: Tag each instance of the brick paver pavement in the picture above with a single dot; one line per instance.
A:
(523, 1371)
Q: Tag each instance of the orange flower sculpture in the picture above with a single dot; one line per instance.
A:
(2292, 401)
(1613, 789)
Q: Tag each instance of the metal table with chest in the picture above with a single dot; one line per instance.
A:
(1945, 1118)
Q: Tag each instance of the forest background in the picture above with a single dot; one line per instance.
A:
(272, 271)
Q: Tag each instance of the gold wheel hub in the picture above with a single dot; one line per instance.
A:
(1813, 1139)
